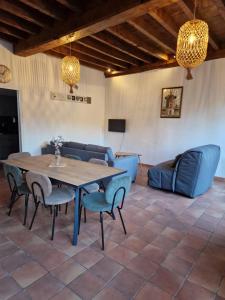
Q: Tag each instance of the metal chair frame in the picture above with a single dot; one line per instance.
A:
(15, 195)
(111, 213)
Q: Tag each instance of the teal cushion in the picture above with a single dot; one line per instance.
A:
(95, 202)
(16, 172)
(114, 185)
(23, 189)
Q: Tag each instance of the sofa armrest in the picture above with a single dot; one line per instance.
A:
(127, 163)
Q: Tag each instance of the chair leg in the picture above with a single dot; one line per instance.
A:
(121, 218)
(55, 213)
(34, 215)
(80, 213)
(66, 209)
(85, 216)
(102, 229)
(26, 208)
(12, 201)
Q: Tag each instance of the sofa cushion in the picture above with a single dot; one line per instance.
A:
(101, 149)
(74, 145)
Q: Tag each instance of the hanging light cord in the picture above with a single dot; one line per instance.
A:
(195, 10)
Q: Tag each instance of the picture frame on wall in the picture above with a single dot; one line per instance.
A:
(171, 102)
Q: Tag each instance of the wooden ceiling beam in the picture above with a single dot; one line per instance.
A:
(8, 38)
(93, 53)
(70, 4)
(165, 21)
(124, 32)
(66, 51)
(90, 22)
(113, 41)
(26, 14)
(84, 63)
(45, 7)
(188, 8)
(18, 23)
(12, 31)
(144, 27)
(105, 49)
(220, 4)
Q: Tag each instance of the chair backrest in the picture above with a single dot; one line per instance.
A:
(18, 155)
(117, 189)
(39, 185)
(14, 176)
(98, 162)
(73, 156)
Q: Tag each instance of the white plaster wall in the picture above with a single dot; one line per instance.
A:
(137, 98)
(41, 118)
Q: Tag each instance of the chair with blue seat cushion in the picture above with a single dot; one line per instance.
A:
(113, 197)
(17, 186)
(43, 192)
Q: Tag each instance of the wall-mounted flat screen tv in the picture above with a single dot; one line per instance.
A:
(117, 125)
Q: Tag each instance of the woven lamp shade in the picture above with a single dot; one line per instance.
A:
(70, 69)
(192, 43)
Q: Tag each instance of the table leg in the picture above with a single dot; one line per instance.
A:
(76, 216)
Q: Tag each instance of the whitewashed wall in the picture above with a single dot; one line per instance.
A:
(137, 98)
(41, 118)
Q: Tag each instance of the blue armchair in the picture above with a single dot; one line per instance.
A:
(190, 174)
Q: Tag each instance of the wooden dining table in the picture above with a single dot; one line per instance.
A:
(72, 172)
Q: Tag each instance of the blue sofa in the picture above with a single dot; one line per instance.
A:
(87, 151)
(190, 174)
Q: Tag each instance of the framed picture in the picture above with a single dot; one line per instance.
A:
(171, 102)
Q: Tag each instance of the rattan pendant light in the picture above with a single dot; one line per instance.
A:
(70, 71)
(192, 44)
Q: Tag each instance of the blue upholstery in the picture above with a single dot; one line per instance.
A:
(191, 175)
(100, 201)
(86, 152)
(16, 172)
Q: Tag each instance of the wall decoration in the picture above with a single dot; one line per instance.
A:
(171, 102)
(69, 97)
(5, 74)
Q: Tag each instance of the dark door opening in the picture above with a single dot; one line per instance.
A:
(9, 126)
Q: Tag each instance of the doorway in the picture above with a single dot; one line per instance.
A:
(9, 123)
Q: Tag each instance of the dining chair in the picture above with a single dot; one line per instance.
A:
(113, 197)
(17, 186)
(50, 196)
(18, 155)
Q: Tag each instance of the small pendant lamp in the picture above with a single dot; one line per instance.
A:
(192, 44)
(70, 71)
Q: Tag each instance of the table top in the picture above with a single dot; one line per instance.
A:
(75, 172)
(120, 153)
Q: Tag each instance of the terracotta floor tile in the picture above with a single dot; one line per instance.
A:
(8, 288)
(149, 291)
(191, 291)
(88, 257)
(172, 234)
(106, 269)
(66, 294)
(221, 291)
(53, 259)
(193, 242)
(164, 242)
(134, 243)
(205, 277)
(45, 288)
(143, 267)
(68, 271)
(186, 253)
(110, 294)
(121, 254)
(146, 235)
(12, 262)
(28, 273)
(7, 249)
(22, 295)
(153, 253)
(177, 265)
(97, 245)
(127, 282)
(213, 263)
(87, 285)
(167, 280)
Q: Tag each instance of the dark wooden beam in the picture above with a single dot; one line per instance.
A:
(18, 23)
(93, 53)
(24, 13)
(66, 51)
(115, 42)
(124, 31)
(144, 27)
(221, 7)
(46, 7)
(74, 28)
(71, 4)
(105, 49)
(84, 63)
(8, 38)
(12, 31)
(188, 8)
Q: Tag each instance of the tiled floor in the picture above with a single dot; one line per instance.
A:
(174, 249)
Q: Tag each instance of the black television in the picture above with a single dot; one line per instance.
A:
(117, 125)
